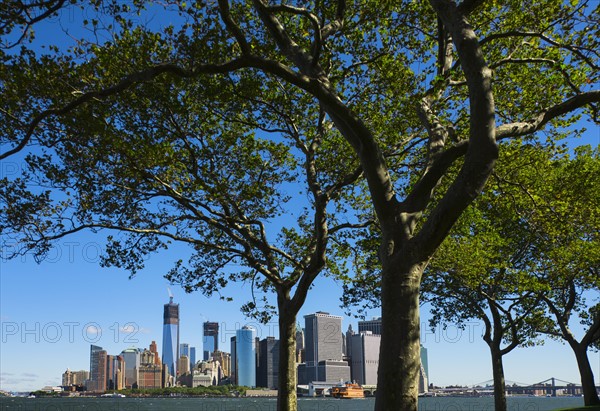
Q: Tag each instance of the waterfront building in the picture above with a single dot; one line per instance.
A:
(79, 378)
(97, 381)
(365, 357)
(233, 370)
(299, 338)
(183, 365)
(224, 359)
(67, 378)
(348, 353)
(267, 372)
(245, 352)
(210, 340)
(150, 374)
(115, 372)
(323, 348)
(207, 373)
(170, 349)
(131, 356)
(333, 371)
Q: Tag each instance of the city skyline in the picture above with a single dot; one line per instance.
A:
(455, 356)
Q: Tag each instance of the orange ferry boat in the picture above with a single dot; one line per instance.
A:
(347, 391)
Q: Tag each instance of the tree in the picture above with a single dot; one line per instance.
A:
(512, 253)
(569, 265)
(485, 268)
(407, 85)
(173, 163)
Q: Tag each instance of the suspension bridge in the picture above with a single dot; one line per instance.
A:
(551, 386)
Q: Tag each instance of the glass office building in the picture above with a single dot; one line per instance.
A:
(170, 349)
(210, 339)
(245, 355)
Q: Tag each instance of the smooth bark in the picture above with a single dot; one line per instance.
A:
(499, 382)
(286, 394)
(590, 394)
(399, 356)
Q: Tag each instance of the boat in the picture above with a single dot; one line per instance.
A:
(114, 395)
(347, 390)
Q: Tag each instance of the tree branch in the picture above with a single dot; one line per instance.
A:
(338, 23)
(127, 82)
(232, 26)
(482, 149)
(529, 127)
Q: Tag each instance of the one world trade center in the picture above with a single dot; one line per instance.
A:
(170, 352)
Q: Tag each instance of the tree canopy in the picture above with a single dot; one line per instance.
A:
(395, 95)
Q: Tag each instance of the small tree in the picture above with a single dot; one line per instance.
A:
(568, 219)
(481, 271)
(512, 252)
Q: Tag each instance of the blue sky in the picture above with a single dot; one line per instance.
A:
(51, 312)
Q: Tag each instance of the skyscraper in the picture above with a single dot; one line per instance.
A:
(210, 340)
(245, 354)
(267, 373)
(233, 370)
(424, 375)
(170, 349)
(299, 344)
(365, 357)
(323, 348)
(192, 357)
(373, 325)
(97, 381)
(115, 372)
(132, 364)
(184, 349)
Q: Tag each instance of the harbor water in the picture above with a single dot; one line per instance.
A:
(268, 404)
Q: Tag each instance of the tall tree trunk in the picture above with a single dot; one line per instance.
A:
(399, 356)
(590, 395)
(286, 394)
(499, 383)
